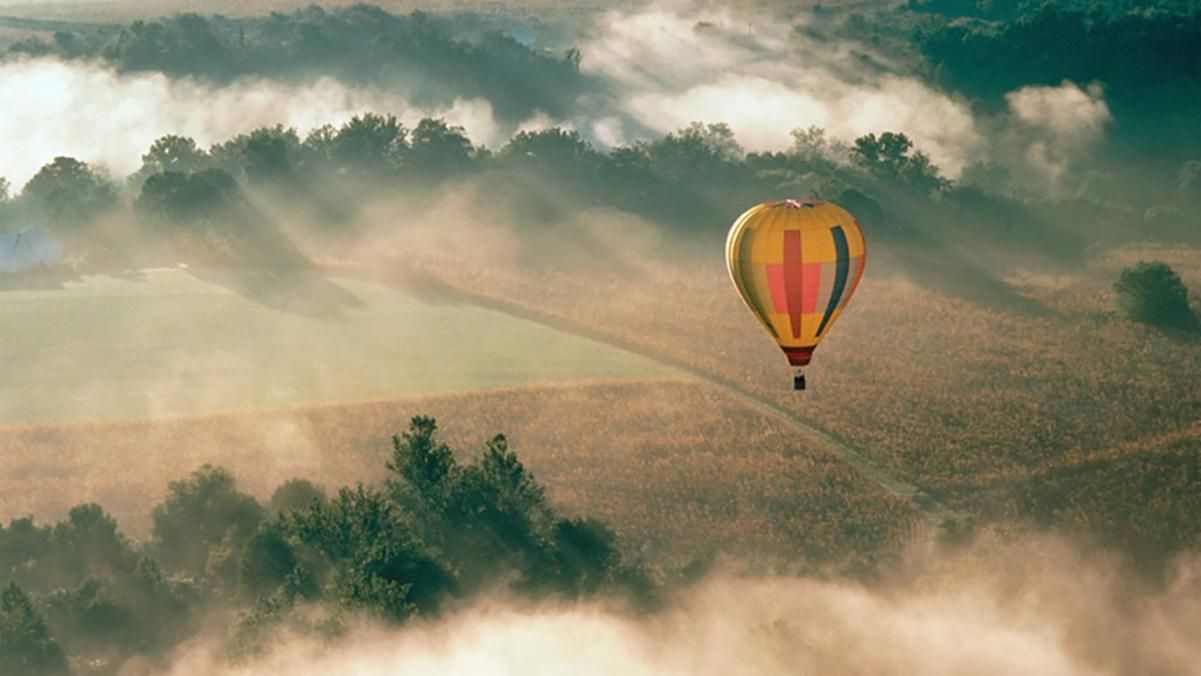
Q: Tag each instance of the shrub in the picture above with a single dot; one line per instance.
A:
(1152, 293)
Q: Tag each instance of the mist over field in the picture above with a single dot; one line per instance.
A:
(1035, 605)
(400, 339)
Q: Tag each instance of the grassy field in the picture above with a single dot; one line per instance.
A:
(679, 468)
(177, 342)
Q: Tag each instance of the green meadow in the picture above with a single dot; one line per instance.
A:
(178, 342)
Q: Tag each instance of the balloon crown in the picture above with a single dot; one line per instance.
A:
(797, 204)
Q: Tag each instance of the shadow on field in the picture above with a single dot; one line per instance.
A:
(961, 278)
(941, 268)
(295, 290)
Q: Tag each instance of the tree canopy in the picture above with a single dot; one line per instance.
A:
(433, 530)
(1152, 292)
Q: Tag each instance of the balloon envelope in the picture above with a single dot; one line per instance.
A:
(796, 264)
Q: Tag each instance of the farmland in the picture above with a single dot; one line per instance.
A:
(178, 342)
(680, 469)
(1001, 412)
(973, 393)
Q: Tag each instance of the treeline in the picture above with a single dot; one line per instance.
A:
(1145, 181)
(417, 53)
(694, 181)
(79, 596)
(696, 178)
(1141, 52)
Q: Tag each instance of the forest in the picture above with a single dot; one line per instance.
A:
(430, 531)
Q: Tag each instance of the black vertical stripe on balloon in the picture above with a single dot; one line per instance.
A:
(842, 267)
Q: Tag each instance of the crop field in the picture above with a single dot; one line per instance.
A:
(1031, 412)
(946, 390)
(177, 342)
(1142, 497)
(678, 467)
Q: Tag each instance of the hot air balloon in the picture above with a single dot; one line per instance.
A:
(796, 264)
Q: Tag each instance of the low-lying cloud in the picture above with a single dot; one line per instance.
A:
(1060, 123)
(659, 70)
(1039, 607)
(91, 112)
(672, 67)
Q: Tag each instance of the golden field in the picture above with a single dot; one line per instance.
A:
(947, 391)
(678, 467)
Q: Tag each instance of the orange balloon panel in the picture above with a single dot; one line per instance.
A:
(796, 264)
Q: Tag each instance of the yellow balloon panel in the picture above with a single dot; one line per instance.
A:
(796, 264)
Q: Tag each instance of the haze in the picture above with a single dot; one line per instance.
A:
(399, 339)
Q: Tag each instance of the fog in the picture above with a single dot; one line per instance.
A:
(627, 253)
(1030, 606)
(92, 113)
(655, 71)
(670, 67)
(1062, 122)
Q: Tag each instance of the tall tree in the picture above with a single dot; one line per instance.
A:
(373, 145)
(26, 646)
(201, 516)
(438, 149)
(68, 193)
(173, 153)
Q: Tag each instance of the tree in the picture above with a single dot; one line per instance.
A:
(68, 193)
(173, 153)
(814, 151)
(296, 494)
(508, 490)
(697, 154)
(499, 511)
(586, 554)
(186, 44)
(201, 516)
(5, 189)
(86, 544)
(891, 156)
(439, 149)
(372, 144)
(1152, 293)
(26, 646)
(22, 544)
(267, 154)
(376, 560)
(189, 198)
(558, 152)
(266, 561)
(424, 463)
